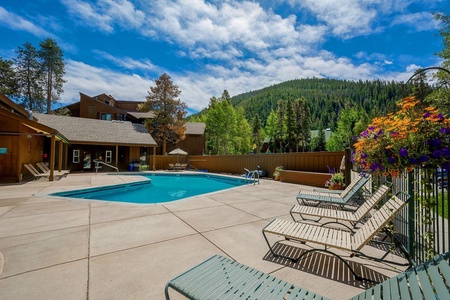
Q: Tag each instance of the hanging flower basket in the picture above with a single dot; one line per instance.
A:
(415, 136)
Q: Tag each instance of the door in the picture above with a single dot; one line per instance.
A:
(87, 160)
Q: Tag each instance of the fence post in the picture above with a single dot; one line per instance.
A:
(348, 166)
(411, 217)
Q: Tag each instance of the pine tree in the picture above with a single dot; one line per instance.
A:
(8, 79)
(318, 142)
(280, 124)
(52, 68)
(257, 136)
(291, 135)
(29, 78)
(169, 123)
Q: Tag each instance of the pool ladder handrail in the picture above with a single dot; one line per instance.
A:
(97, 165)
(249, 175)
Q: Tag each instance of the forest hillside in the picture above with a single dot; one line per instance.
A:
(325, 98)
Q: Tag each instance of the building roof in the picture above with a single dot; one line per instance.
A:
(195, 128)
(100, 132)
(142, 115)
(12, 107)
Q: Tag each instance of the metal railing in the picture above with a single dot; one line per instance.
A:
(97, 165)
(424, 232)
(252, 176)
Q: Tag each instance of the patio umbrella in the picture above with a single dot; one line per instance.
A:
(177, 152)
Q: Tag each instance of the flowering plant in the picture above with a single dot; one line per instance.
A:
(278, 169)
(414, 136)
(335, 179)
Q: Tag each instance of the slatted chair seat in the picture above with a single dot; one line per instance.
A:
(45, 169)
(334, 237)
(222, 278)
(351, 191)
(430, 280)
(353, 217)
(34, 172)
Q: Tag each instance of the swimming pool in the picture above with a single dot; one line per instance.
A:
(159, 189)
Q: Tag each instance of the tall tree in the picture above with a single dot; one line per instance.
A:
(169, 123)
(243, 133)
(291, 134)
(271, 129)
(52, 68)
(29, 78)
(280, 124)
(8, 79)
(257, 133)
(302, 122)
(318, 142)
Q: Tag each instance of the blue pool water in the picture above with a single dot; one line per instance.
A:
(161, 188)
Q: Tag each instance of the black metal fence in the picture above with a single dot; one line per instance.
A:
(424, 232)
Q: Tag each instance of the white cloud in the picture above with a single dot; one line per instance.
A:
(104, 14)
(345, 18)
(92, 81)
(87, 15)
(18, 23)
(421, 21)
(127, 62)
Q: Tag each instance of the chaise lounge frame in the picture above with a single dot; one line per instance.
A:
(353, 217)
(351, 242)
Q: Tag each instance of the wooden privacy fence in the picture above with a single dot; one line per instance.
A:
(235, 164)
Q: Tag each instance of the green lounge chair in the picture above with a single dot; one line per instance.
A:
(222, 278)
(350, 192)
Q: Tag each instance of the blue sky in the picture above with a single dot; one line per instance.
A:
(119, 47)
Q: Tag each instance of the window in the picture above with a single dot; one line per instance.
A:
(76, 156)
(107, 117)
(108, 157)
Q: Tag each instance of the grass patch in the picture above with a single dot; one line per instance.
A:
(442, 204)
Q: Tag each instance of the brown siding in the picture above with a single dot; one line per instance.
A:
(86, 104)
(128, 106)
(21, 149)
(192, 144)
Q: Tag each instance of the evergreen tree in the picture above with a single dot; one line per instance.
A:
(52, 68)
(29, 78)
(291, 134)
(318, 142)
(280, 125)
(168, 125)
(8, 79)
(302, 122)
(257, 133)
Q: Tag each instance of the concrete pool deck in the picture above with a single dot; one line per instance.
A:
(59, 248)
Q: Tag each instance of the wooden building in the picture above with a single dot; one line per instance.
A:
(22, 141)
(117, 143)
(106, 107)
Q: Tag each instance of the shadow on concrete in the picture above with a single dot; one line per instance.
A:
(325, 265)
